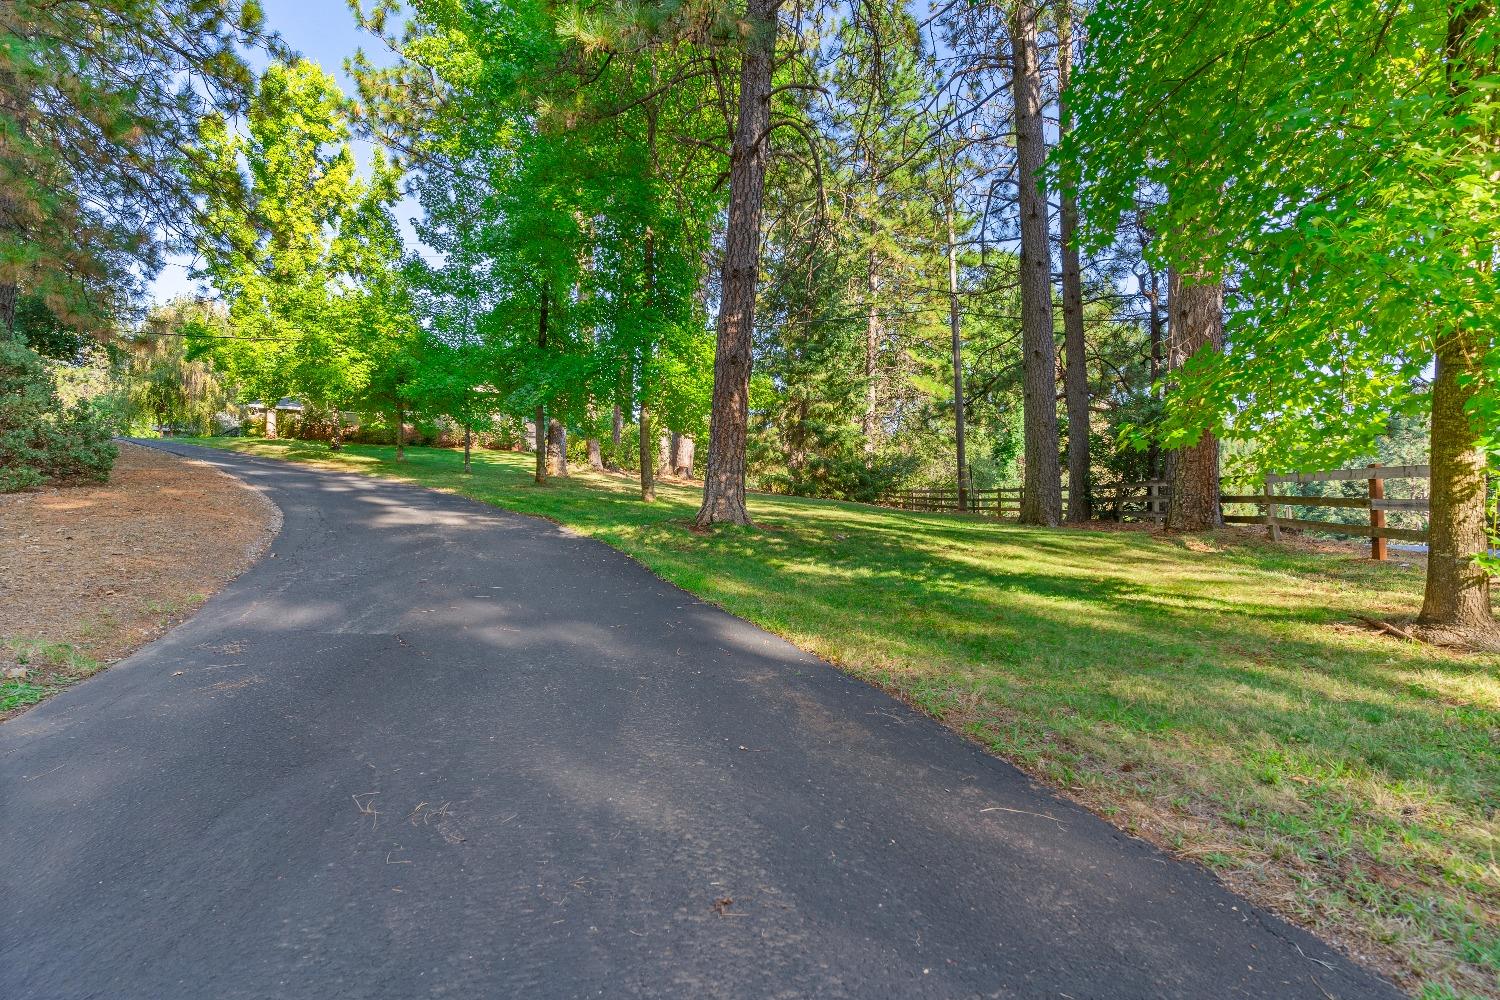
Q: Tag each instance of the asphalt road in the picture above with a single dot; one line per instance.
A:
(431, 749)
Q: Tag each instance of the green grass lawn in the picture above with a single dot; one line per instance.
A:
(49, 667)
(1212, 693)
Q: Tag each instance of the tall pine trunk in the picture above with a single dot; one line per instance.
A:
(400, 431)
(1075, 345)
(872, 351)
(724, 482)
(648, 464)
(1153, 454)
(956, 337)
(1196, 323)
(1042, 500)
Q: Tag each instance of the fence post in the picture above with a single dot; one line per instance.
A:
(1377, 518)
(1273, 528)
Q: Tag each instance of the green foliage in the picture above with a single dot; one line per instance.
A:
(1339, 161)
(100, 105)
(568, 236)
(167, 385)
(307, 254)
(44, 332)
(41, 440)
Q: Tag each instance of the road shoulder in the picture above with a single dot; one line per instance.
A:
(91, 573)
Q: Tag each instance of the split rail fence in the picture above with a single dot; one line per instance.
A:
(1147, 501)
(1003, 501)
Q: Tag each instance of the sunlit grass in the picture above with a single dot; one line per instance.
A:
(42, 668)
(1213, 693)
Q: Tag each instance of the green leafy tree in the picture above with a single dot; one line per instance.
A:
(168, 382)
(453, 373)
(543, 180)
(375, 312)
(305, 252)
(1341, 162)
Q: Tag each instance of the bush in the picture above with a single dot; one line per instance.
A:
(839, 477)
(41, 440)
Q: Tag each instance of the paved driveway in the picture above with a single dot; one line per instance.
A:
(431, 749)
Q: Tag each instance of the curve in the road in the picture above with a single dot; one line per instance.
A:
(429, 748)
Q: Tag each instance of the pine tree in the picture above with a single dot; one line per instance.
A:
(100, 104)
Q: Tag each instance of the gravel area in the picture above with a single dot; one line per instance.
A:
(90, 573)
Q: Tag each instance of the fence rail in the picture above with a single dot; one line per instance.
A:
(1147, 501)
(1002, 501)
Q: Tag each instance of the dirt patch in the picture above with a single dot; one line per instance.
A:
(90, 573)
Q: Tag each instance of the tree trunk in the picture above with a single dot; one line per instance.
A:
(648, 467)
(10, 294)
(682, 456)
(539, 439)
(336, 439)
(796, 439)
(400, 431)
(468, 449)
(1075, 370)
(540, 433)
(1457, 597)
(663, 455)
(1153, 453)
(955, 331)
(868, 426)
(1041, 502)
(1196, 324)
(1456, 606)
(617, 430)
(270, 423)
(557, 448)
(724, 482)
(596, 454)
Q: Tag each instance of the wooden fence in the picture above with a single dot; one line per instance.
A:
(1147, 501)
(1003, 501)
(1374, 502)
(1125, 501)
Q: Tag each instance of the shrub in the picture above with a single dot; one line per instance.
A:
(42, 440)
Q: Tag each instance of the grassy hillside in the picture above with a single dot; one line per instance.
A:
(1214, 694)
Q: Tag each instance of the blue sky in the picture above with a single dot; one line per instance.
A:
(320, 30)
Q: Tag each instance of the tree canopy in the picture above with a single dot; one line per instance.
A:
(849, 248)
